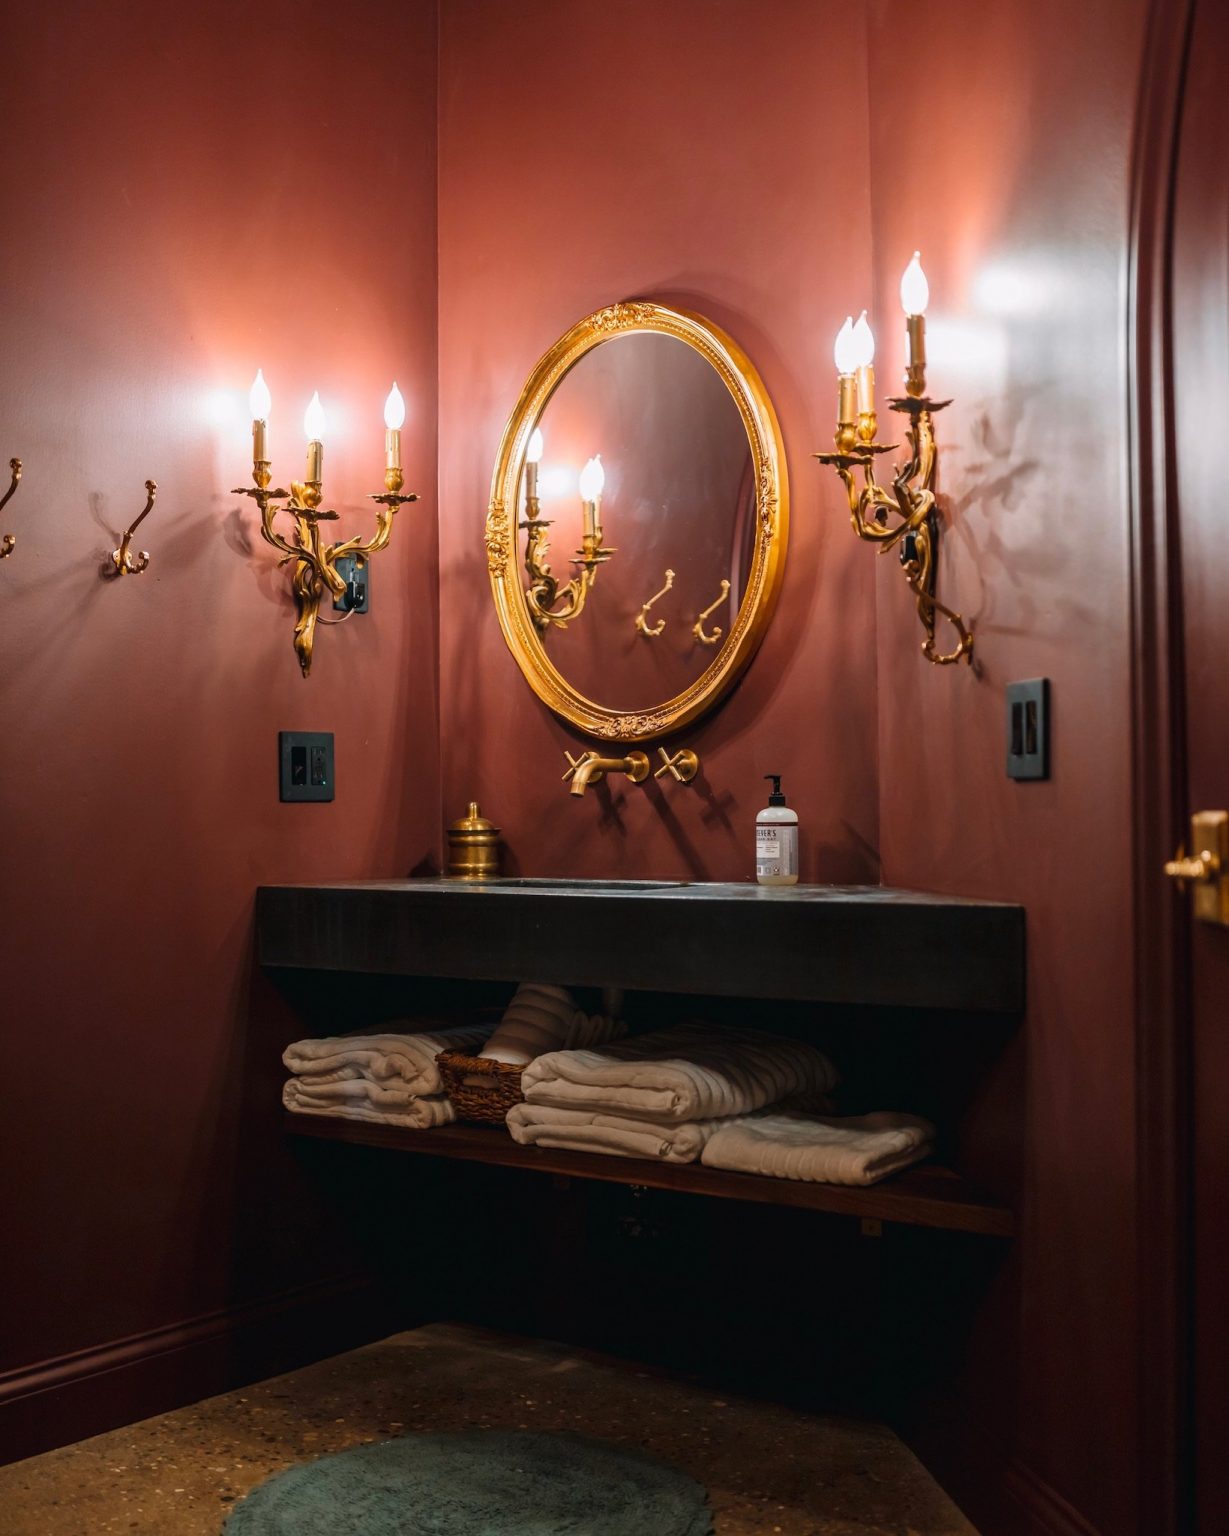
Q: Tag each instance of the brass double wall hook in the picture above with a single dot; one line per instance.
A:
(651, 631)
(122, 558)
(8, 541)
(697, 628)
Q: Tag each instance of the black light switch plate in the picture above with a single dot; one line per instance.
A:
(1028, 729)
(357, 595)
(305, 762)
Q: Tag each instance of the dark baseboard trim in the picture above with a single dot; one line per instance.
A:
(1001, 1494)
(56, 1402)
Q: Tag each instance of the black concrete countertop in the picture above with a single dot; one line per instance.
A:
(819, 943)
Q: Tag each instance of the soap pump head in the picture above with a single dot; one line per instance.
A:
(776, 798)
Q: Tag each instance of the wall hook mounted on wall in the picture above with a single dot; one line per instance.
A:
(651, 631)
(912, 497)
(316, 562)
(9, 539)
(122, 558)
(697, 628)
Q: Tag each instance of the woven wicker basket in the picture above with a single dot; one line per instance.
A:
(489, 1102)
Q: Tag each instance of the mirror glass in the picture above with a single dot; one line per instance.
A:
(679, 495)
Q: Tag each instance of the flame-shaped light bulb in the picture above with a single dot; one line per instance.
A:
(592, 479)
(914, 289)
(845, 350)
(313, 420)
(259, 398)
(863, 343)
(533, 453)
(394, 409)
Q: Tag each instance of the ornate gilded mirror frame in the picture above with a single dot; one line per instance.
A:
(771, 524)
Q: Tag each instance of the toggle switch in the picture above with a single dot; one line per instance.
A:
(1028, 729)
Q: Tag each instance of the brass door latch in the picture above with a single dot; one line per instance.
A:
(1206, 867)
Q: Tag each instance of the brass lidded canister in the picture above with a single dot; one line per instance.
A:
(473, 847)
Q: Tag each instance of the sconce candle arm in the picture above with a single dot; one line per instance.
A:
(912, 501)
(315, 562)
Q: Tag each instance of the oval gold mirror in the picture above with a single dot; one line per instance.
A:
(638, 520)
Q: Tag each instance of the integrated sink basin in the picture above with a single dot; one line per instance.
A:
(543, 883)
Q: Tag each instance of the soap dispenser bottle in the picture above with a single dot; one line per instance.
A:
(776, 839)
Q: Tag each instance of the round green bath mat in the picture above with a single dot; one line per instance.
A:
(478, 1483)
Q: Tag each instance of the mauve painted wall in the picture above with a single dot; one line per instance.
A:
(177, 212)
(687, 153)
(1014, 184)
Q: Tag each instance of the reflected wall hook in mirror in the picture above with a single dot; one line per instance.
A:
(697, 628)
(122, 558)
(9, 539)
(650, 632)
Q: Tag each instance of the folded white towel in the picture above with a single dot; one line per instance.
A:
(408, 1058)
(583, 1130)
(692, 1072)
(366, 1100)
(858, 1149)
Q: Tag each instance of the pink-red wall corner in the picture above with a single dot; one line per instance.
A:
(1011, 172)
(191, 193)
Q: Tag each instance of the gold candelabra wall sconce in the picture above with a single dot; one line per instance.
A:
(123, 562)
(911, 500)
(551, 601)
(316, 562)
(9, 540)
(591, 767)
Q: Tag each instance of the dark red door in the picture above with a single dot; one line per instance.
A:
(1200, 319)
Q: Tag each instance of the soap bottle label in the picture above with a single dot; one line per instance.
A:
(776, 850)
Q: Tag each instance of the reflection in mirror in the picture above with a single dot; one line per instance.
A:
(643, 475)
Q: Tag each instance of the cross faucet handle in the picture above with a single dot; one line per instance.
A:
(573, 764)
(683, 766)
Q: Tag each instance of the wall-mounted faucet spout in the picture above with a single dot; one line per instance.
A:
(590, 768)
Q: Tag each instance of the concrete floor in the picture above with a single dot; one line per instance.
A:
(767, 1468)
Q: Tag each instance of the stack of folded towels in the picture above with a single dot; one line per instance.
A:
(389, 1079)
(392, 1078)
(730, 1097)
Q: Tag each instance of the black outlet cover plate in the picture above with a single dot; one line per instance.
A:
(305, 764)
(357, 576)
(1028, 729)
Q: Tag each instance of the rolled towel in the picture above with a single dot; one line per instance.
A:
(580, 1130)
(407, 1058)
(365, 1100)
(543, 1018)
(856, 1149)
(692, 1072)
(539, 1018)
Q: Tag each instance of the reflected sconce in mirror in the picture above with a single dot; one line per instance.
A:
(122, 559)
(911, 500)
(697, 628)
(643, 627)
(315, 561)
(10, 539)
(544, 591)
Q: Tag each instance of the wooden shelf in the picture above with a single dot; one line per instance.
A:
(925, 1196)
